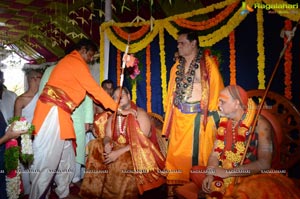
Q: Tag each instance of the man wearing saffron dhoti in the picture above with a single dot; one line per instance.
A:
(191, 109)
(54, 156)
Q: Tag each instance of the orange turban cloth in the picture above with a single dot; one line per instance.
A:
(240, 94)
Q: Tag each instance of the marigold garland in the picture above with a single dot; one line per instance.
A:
(148, 78)
(163, 66)
(232, 63)
(205, 40)
(203, 25)
(133, 36)
(134, 47)
(260, 49)
(204, 10)
(288, 57)
(133, 92)
(233, 157)
(171, 30)
(224, 31)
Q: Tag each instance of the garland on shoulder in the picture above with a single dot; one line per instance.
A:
(232, 158)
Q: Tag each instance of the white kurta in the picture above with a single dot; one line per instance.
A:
(7, 104)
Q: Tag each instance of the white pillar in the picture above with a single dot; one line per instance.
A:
(106, 41)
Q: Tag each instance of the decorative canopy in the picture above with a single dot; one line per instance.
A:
(42, 30)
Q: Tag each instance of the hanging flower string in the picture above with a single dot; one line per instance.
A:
(13, 156)
(232, 64)
(133, 36)
(261, 49)
(204, 25)
(206, 40)
(288, 57)
(163, 65)
(148, 78)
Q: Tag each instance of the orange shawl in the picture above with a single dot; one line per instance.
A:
(146, 157)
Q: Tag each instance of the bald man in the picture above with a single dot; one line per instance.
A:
(224, 164)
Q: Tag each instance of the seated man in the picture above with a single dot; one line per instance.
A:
(225, 176)
(100, 114)
(126, 162)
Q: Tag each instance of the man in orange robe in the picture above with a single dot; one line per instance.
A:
(66, 88)
(225, 176)
(190, 106)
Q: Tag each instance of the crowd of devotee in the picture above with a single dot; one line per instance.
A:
(94, 138)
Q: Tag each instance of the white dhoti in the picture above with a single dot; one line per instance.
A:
(53, 159)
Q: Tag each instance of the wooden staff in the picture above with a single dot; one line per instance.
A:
(121, 83)
(260, 106)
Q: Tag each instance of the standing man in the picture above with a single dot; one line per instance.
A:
(25, 103)
(24, 106)
(191, 105)
(82, 118)
(67, 86)
(7, 100)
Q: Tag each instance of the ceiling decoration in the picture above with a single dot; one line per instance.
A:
(43, 30)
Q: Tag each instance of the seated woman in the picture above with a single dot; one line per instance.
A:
(126, 162)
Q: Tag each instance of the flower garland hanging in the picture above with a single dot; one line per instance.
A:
(260, 49)
(204, 25)
(133, 36)
(138, 46)
(232, 64)
(204, 10)
(212, 38)
(288, 57)
(13, 156)
(163, 65)
(148, 78)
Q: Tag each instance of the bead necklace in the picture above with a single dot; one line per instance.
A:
(184, 81)
(122, 131)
